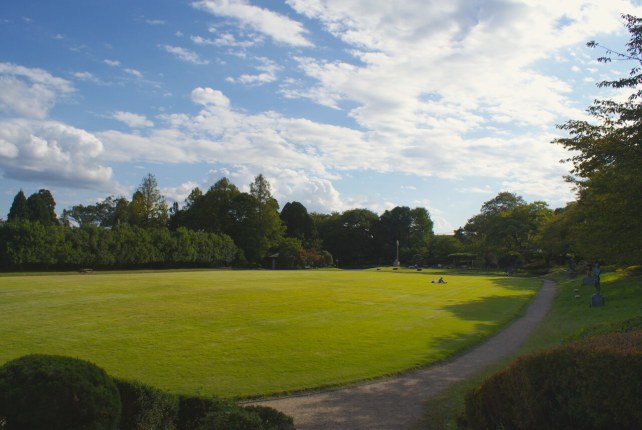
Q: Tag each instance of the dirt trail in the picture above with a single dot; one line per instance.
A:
(397, 403)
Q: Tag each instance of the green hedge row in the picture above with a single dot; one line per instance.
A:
(595, 383)
(44, 392)
(27, 245)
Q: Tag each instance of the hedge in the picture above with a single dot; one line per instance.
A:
(594, 383)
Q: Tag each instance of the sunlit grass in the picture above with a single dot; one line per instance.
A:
(243, 333)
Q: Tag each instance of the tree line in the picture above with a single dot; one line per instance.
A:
(221, 226)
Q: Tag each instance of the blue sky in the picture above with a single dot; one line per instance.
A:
(340, 103)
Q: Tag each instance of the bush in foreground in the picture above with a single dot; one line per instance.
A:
(52, 392)
(589, 384)
(45, 392)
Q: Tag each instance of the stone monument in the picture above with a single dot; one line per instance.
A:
(597, 299)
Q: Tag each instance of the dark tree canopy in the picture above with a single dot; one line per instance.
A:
(19, 208)
(297, 220)
(41, 207)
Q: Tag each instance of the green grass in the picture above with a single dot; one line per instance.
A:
(568, 316)
(247, 333)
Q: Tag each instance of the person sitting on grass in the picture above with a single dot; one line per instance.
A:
(440, 281)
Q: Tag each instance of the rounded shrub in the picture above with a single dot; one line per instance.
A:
(589, 384)
(47, 392)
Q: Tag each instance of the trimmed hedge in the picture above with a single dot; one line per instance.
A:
(145, 407)
(594, 383)
(51, 392)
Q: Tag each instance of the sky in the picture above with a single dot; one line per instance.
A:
(340, 104)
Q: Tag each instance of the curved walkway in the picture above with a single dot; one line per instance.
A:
(397, 402)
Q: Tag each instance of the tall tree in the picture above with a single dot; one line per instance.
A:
(606, 160)
(148, 206)
(42, 208)
(216, 212)
(297, 221)
(19, 208)
(270, 227)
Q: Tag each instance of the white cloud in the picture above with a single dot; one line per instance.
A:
(316, 193)
(179, 193)
(184, 54)
(132, 119)
(88, 77)
(133, 72)
(268, 70)
(155, 21)
(51, 152)
(279, 27)
(209, 97)
(30, 92)
(227, 39)
(112, 63)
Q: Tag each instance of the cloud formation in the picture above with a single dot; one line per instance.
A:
(30, 93)
(279, 27)
(51, 152)
(460, 91)
(33, 148)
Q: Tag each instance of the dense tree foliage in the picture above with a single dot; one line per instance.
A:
(607, 161)
(108, 213)
(40, 207)
(413, 228)
(298, 223)
(506, 231)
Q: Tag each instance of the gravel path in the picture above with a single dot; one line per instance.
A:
(397, 403)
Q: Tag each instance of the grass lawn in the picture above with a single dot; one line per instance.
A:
(247, 333)
(568, 315)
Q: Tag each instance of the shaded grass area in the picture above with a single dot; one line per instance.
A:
(569, 317)
(248, 333)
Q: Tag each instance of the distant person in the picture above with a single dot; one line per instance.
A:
(440, 281)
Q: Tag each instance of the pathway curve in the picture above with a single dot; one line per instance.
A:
(397, 402)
